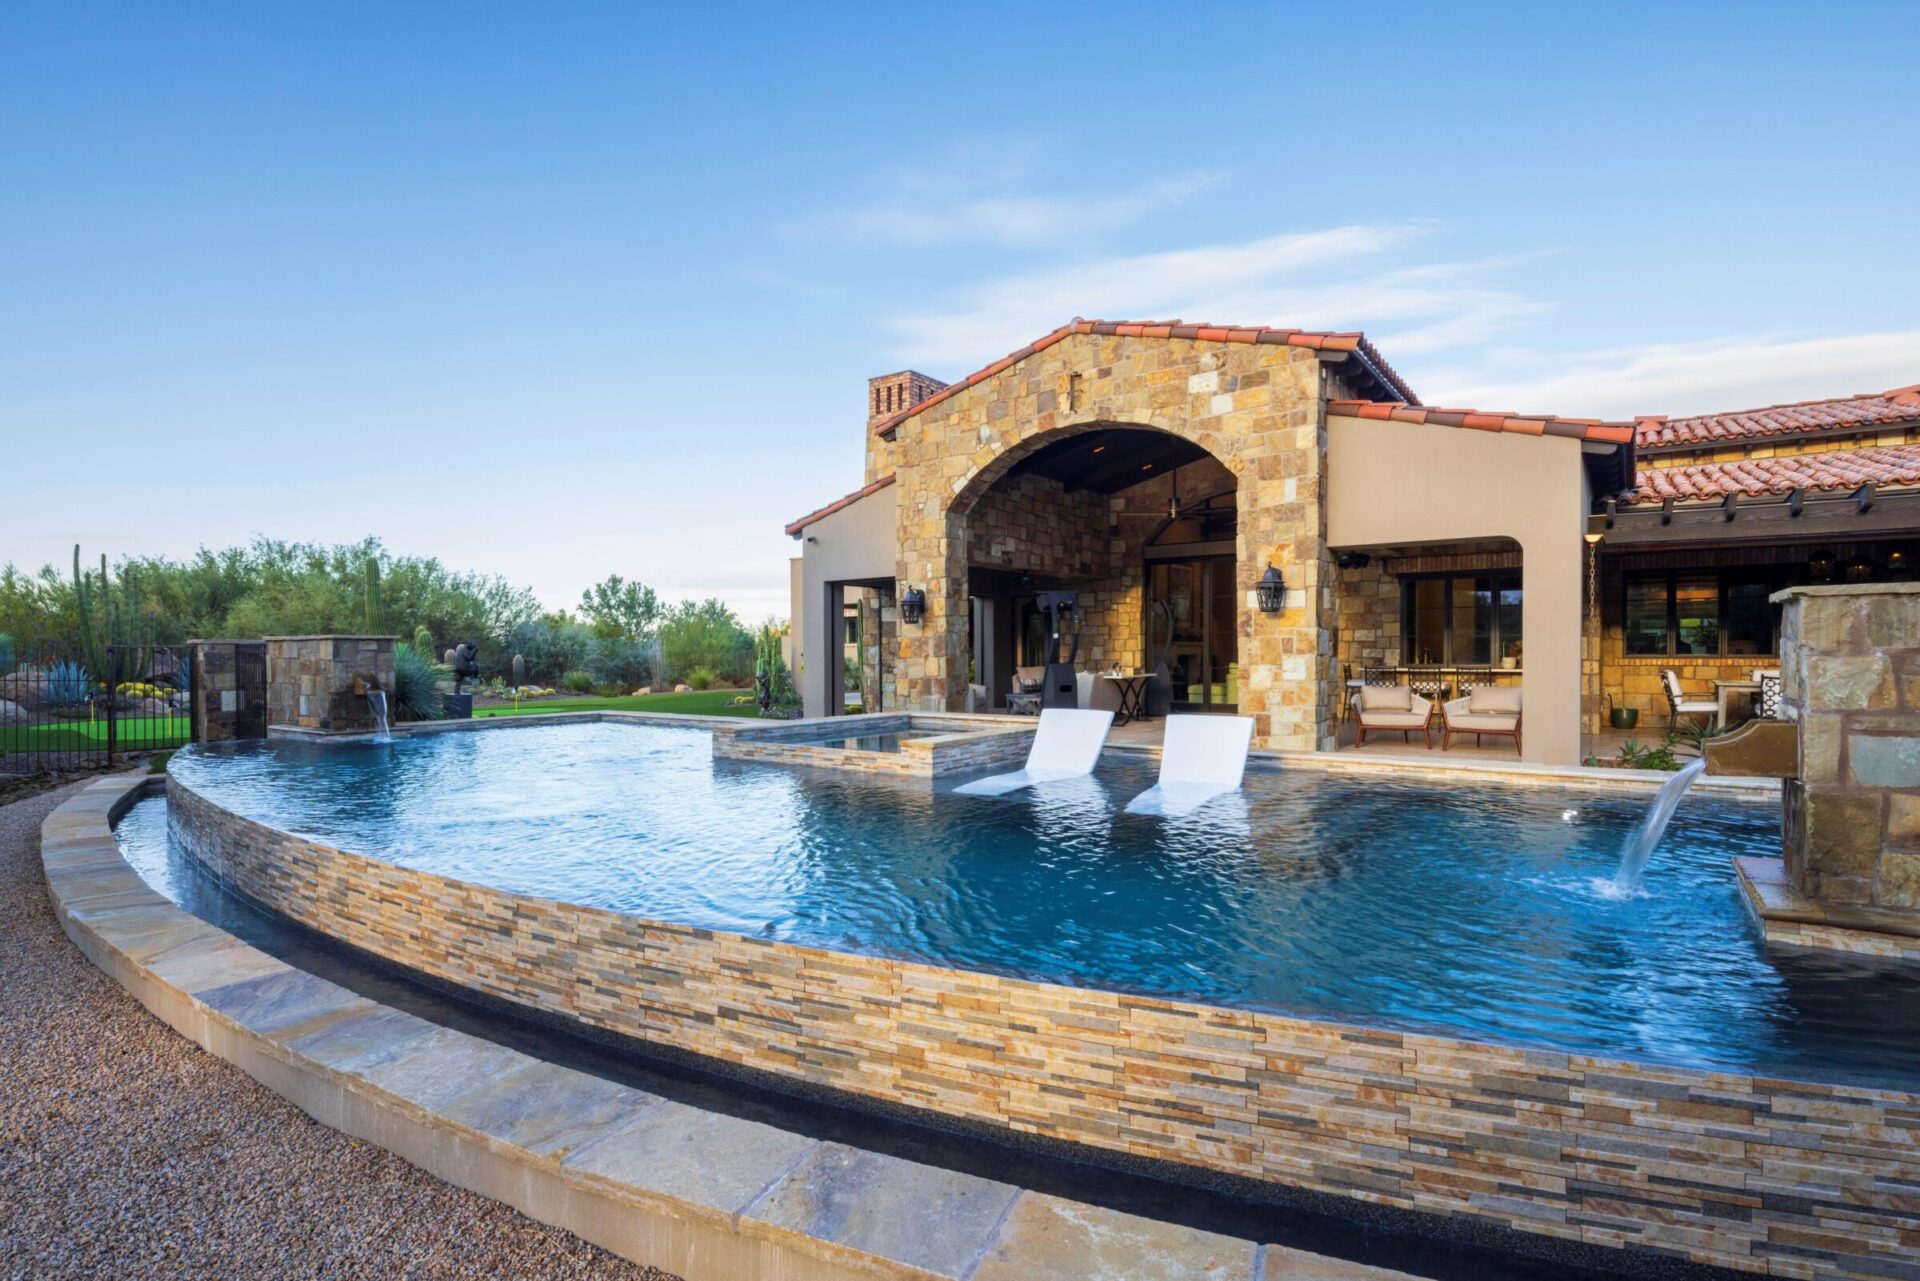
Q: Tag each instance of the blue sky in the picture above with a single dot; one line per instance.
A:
(560, 291)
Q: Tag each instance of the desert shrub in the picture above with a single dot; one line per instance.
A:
(420, 685)
(578, 682)
(701, 678)
(552, 647)
(617, 661)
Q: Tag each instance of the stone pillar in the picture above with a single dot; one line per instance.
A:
(1850, 658)
(229, 689)
(317, 684)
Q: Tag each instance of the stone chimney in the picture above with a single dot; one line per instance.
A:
(888, 395)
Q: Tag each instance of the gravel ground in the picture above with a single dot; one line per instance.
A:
(126, 1151)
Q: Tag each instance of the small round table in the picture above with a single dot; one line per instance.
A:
(1133, 696)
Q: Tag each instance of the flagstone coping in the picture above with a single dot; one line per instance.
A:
(709, 1196)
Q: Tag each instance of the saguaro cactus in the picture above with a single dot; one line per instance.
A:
(519, 671)
(372, 575)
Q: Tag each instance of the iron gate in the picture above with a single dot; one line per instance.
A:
(65, 705)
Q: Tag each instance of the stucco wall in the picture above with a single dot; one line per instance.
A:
(1403, 484)
(1755, 1174)
(853, 543)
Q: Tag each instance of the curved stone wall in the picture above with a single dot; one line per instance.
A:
(1758, 1175)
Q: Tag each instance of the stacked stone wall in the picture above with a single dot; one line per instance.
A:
(311, 681)
(1851, 683)
(1254, 407)
(1761, 1175)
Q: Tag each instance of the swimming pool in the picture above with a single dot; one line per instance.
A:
(1400, 904)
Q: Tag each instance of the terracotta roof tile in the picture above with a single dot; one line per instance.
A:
(1845, 413)
(1523, 424)
(839, 503)
(1754, 477)
(1354, 342)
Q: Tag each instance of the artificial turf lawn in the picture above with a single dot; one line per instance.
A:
(134, 733)
(140, 733)
(710, 702)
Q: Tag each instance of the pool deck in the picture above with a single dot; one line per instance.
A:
(706, 1195)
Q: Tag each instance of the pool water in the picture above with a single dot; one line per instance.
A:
(862, 742)
(1472, 911)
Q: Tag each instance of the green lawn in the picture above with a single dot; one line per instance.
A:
(135, 733)
(712, 702)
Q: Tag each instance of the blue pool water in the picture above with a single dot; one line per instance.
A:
(1474, 911)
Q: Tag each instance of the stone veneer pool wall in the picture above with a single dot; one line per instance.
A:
(952, 744)
(1768, 1176)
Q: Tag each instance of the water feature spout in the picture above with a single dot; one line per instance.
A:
(1646, 834)
(1758, 749)
(368, 687)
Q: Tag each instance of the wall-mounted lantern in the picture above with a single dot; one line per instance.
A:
(913, 606)
(1272, 591)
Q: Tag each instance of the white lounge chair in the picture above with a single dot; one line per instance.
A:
(1201, 758)
(1067, 745)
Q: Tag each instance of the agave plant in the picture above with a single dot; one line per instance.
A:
(67, 683)
(420, 685)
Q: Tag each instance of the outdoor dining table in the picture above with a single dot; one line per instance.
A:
(1132, 687)
(1723, 692)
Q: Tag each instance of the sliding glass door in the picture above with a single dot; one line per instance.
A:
(1195, 599)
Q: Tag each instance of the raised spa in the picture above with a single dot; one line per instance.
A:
(1475, 911)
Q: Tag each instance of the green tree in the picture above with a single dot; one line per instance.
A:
(619, 608)
(705, 635)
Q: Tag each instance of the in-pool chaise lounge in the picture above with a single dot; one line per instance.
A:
(1066, 745)
(1201, 758)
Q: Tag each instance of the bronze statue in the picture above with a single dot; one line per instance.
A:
(465, 664)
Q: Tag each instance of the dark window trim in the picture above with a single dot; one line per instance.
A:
(1724, 581)
(1502, 579)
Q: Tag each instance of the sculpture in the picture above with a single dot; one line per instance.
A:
(465, 664)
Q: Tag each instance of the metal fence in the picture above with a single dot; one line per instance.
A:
(64, 706)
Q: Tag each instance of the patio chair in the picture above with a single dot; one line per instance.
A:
(1766, 704)
(1488, 710)
(1390, 708)
(1678, 704)
(1024, 698)
(1202, 757)
(1066, 745)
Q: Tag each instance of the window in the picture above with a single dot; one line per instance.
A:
(1468, 620)
(1683, 614)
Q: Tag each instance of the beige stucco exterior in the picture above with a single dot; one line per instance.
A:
(853, 544)
(1405, 484)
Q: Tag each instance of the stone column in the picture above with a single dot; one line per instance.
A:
(229, 689)
(317, 684)
(1850, 659)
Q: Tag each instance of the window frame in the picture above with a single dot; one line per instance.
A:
(1773, 577)
(1500, 580)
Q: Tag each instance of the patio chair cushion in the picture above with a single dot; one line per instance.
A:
(1495, 700)
(1385, 698)
(1488, 724)
(1393, 720)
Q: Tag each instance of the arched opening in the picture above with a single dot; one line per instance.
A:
(1121, 515)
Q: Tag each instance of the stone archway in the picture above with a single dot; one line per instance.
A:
(1253, 407)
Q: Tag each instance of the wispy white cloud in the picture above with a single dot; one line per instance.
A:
(994, 191)
(1690, 377)
(1282, 280)
(1011, 218)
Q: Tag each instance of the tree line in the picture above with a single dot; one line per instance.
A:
(621, 634)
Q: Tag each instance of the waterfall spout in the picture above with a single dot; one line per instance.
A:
(377, 704)
(1647, 833)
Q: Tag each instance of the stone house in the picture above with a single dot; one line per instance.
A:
(1160, 470)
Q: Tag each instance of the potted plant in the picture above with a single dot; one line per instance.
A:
(1622, 717)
